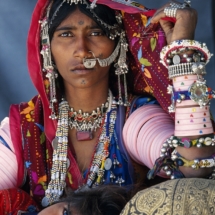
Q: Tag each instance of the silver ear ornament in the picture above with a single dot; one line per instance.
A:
(47, 63)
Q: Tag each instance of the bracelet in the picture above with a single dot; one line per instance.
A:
(206, 94)
(195, 164)
(183, 45)
(185, 103)
(174, 142)
(181, 96)
(167, 160)
(187, 84)
(185, 78)
(192, 110)
(201, 93)
(188, 127)
(196, 132)
(191, 116)
(186, 69)
(193, 120)
(178, 57)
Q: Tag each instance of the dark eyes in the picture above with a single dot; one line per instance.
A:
(66, 34)
(97, 33)
(94, 33)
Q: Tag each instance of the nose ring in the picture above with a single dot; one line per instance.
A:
(89, 63)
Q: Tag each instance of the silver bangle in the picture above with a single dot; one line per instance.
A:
(197, 68)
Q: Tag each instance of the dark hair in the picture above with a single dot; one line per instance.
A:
(103, 200)
(105, 13)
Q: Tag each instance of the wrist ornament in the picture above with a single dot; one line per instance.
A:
(198, 92)
(185, 142)
(192, 121)
(194, 164)
(170, 160)
(175, 51)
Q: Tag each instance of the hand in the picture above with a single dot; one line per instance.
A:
(184, 26)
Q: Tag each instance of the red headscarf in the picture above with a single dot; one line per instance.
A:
(38, 130)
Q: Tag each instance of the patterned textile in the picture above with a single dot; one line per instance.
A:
(15, 200)
(174, 197)
(37, 149)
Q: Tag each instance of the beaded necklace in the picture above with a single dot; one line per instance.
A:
(60, 146)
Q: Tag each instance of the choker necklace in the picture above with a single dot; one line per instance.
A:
(86, 123)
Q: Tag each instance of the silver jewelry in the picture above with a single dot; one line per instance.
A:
(199, 93)
(197, 68)
(47, 64)
(73, 1)
(59, 159)
(114, 29)
(171, 10)
(86, 123)
(187, 3)
(91, 62)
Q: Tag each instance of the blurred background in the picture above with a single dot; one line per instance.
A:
(15, 84)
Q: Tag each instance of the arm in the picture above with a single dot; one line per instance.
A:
(184, 28)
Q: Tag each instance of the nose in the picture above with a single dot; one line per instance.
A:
(81, 48)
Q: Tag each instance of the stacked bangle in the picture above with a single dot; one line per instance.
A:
(174, 142)
(170, 161)
(195, 164)
(186, 69)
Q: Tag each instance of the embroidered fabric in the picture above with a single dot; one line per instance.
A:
(186, 196)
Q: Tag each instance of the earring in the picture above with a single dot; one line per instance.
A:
(47, 64)
(122, 69)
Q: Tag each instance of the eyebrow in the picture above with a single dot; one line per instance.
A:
(90, 27)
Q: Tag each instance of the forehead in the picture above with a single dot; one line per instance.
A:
(77, 18)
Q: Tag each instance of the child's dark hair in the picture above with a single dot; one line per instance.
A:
(103, 200)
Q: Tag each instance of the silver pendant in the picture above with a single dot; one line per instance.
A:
(108, 164)
(55, 143)
(89, 63)
(45, 202)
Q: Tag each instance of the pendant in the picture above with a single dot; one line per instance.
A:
(84, 135)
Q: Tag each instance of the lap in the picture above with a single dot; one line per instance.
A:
(180, 196)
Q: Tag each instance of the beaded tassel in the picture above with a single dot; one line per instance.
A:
(59, 160)
(97, 167)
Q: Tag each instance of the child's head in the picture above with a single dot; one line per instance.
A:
(103, 200)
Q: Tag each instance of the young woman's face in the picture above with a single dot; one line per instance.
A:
(73, 39)
(56, 209)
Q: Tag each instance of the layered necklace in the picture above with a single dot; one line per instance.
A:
(60, 146)
(86, 123)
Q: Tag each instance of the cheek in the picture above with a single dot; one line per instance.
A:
(58, 52)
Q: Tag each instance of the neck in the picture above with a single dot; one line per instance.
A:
(86, 99)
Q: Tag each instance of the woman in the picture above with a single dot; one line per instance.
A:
(82, 46)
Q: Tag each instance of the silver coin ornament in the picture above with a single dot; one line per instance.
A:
(55, 143)
(176, 59)
(187, 144)
(89, 63)
(45, 202)
(108, 164)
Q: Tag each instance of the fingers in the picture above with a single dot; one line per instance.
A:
(181, 25)
(186, 13)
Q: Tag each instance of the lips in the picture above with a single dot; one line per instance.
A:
(80, 69)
